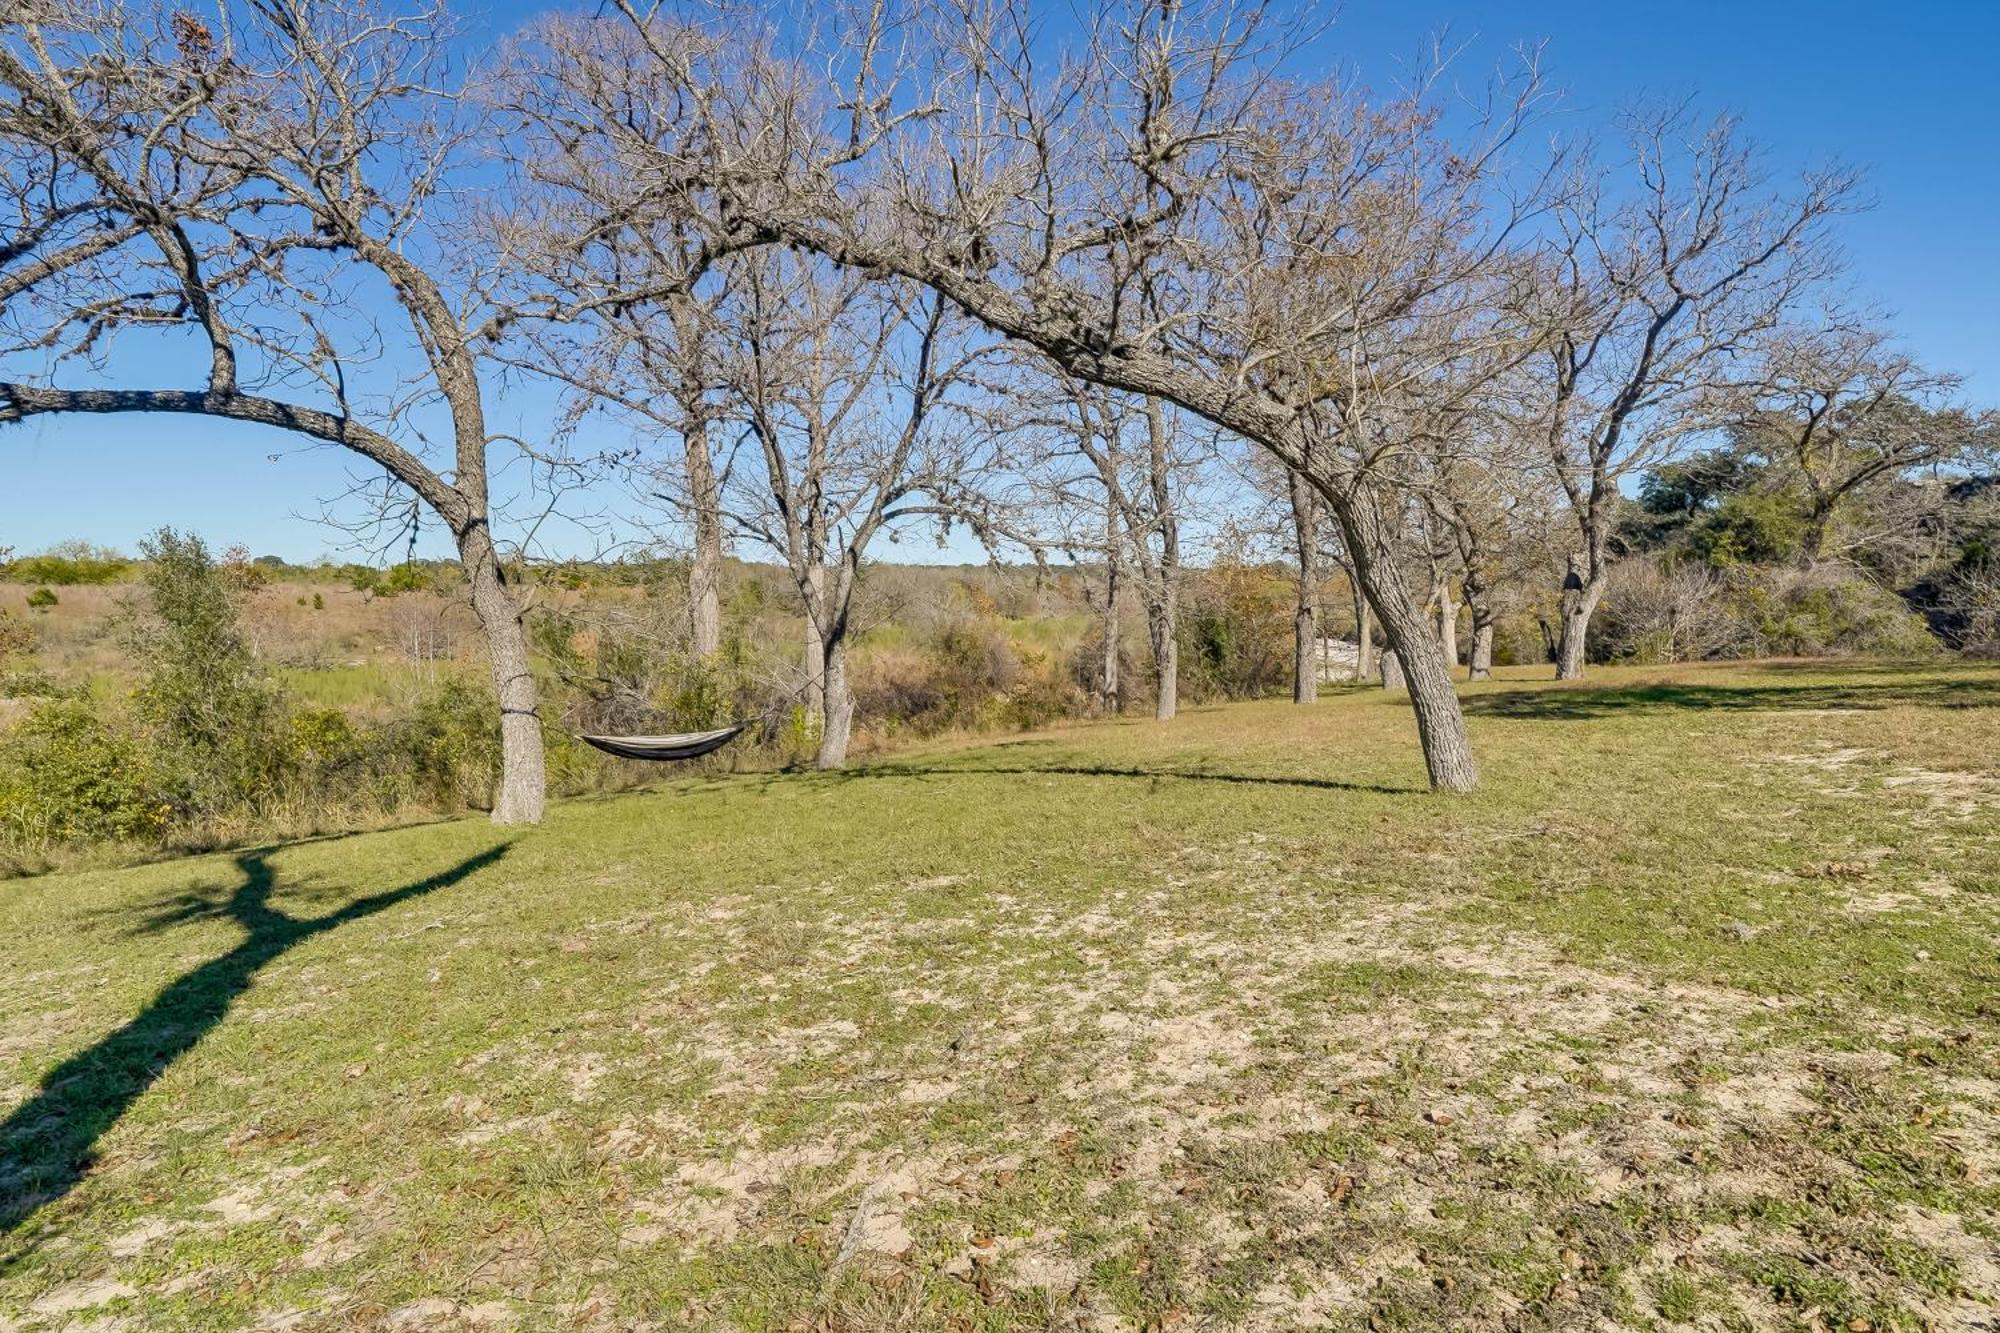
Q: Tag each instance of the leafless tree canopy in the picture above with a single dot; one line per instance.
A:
(837, 273)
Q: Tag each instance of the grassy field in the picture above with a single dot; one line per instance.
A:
(1687, 1018)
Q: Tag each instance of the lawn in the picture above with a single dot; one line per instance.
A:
(1686, 1018)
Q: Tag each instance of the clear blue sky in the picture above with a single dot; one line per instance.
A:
(1906, 92)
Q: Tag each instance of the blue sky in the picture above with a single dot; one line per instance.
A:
(1905, 92)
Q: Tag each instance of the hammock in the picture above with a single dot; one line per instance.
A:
(687, 745)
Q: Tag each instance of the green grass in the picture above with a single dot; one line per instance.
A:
(1686, 1018)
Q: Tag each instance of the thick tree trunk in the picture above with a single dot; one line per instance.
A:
(1364, 637)
(1305, 654)
(1440, 725)
(705, 565)
(1580, 597)
(523, 789)
(1570, 638)
(1482, 644)
(833, 736)
(1305, 619)
(1161, 614)
(1392, 671)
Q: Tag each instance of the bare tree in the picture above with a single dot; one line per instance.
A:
(634, 333)
(650, 366)
(1488, 508)
(1839, 409)
(846, 388)
(1290, 520)
(1143, 481)
(245, 182)
(1156, 212)
(1657, 293)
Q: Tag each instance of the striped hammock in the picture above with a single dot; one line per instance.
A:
(687, 745)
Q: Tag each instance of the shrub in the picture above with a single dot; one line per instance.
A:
(18, 637)
(41, 599)
(1750, 528)
(323, 748)
(1663, 611)
(216, 715)
(1828, 610)
(1236, 633)
(69, 565)
(65, 776)
(450, 745)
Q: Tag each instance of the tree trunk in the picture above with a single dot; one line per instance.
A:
(1440, 725)
(1305, 619)
(814, 694)
(705, 565)
(834, 734)
(1108, 682)
(523, 787)
(1392, 671)
(1580, 597)
(1447, 627)
(1160, 630)
(1164, 614)
(1482, 644)
(1305, 654)
(1364, 636)
(1812, 548)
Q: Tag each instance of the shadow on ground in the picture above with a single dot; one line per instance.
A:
(973, 770)
(1971, 691)
(49, 1143)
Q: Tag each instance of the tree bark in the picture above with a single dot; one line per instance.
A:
(705, 564)
(1364, 634)
(833, 736)
(1482, 644)
(523, 778)
(1108, 682)
(1812, 549)
(1447, 626)
(1305, 619)
(1479, 600)
(698, 473)
(1440, 725)
(1581, 593)
(1392, 671)
(814, 694)
(1161, 615)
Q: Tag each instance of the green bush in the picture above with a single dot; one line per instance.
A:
(67, 570)
(449, 748)
(216, 715)
(66, 777)
(41, 599)
(323, 749)
(1235, 634)
(1828, 611)
(1750, 529)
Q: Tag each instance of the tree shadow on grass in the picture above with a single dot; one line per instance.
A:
(49, 1143)
(1106, 771)
(1575, 703)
